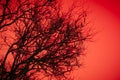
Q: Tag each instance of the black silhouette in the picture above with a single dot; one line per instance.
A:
(45, 41)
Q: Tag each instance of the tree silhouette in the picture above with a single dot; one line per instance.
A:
(47, 41)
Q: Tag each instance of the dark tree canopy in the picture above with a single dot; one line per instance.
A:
(41, 39)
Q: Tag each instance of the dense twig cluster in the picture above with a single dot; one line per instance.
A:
(46, 40)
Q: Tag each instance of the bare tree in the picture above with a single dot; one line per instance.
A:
(11, 11)
(47, 42)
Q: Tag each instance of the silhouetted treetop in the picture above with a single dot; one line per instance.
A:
(47, 41)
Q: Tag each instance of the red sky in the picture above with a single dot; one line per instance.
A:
(102, 61)
(111, 5)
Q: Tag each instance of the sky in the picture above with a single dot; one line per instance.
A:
(102, 61)
(103, 54)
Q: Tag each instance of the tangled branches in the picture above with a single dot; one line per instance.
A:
(46, 40)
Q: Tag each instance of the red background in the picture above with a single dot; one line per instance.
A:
(102, 61)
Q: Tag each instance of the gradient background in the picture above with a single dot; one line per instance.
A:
(102, 61)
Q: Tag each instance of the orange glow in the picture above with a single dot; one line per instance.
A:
(103, 55)
(102, 61)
